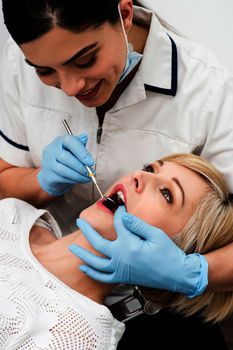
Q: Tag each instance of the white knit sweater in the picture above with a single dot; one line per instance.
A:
(37, 310)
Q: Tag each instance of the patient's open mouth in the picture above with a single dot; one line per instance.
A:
(118, 199)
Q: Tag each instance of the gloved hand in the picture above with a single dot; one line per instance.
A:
(141, 255)
(63, 164)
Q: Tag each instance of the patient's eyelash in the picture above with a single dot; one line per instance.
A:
(148, 168)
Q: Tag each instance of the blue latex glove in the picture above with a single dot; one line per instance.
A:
(141, 255)
(63, 164)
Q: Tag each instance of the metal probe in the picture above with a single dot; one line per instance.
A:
(66, 125)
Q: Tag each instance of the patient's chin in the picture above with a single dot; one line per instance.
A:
(103, 224)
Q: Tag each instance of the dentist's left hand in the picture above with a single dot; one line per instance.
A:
(63, 164)
(141, 255)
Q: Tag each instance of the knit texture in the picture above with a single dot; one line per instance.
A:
(38, 311)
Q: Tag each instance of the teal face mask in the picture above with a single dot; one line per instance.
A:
(132, 57)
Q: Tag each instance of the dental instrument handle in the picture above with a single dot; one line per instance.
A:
(66, 125)
(94, 181)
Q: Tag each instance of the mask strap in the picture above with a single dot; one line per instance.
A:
(123, 29)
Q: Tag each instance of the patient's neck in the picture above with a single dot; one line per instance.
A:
(54, 255)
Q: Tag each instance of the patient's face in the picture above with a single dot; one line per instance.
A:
(164, 195)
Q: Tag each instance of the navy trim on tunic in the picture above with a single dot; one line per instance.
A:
(173, 89)
(22, 147)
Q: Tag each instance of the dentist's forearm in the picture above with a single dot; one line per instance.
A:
(220, 274)
(22, 183)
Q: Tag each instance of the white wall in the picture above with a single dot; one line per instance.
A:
(209, 22)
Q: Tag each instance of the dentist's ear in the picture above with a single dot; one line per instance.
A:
(126, 9)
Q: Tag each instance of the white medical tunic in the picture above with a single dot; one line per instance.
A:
(180, 100)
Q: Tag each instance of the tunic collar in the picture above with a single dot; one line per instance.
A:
(158, 69)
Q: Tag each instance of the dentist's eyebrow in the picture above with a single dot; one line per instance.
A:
(181, 189)
(73, 58)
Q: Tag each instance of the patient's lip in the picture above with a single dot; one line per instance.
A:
(102, 207)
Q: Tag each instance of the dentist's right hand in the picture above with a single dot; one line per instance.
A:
(63, 164)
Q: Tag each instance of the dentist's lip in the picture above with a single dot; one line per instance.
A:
(89, 94)
(117, 188)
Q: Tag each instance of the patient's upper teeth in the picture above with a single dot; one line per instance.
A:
(121, 195)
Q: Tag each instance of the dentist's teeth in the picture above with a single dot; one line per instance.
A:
(121, 195)
(85, 92)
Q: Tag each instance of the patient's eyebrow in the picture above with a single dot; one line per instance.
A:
(161, 162)
(181, 188)
(77, 55)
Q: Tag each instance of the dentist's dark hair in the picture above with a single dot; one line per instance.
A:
(27, 20)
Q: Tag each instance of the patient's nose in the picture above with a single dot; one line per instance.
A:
(139, 181)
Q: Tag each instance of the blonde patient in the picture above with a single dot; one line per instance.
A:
(181, 194)
(186, 197)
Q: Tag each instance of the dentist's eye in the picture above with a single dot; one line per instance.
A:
(166, 193)
(86, 62)
(44, 72)
(148, 168)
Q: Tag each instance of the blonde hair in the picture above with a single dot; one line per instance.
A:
(210, 227)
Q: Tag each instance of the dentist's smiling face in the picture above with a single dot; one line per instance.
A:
(164, 195)
(86, 65)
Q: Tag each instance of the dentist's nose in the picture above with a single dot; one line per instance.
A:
(72, 85)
